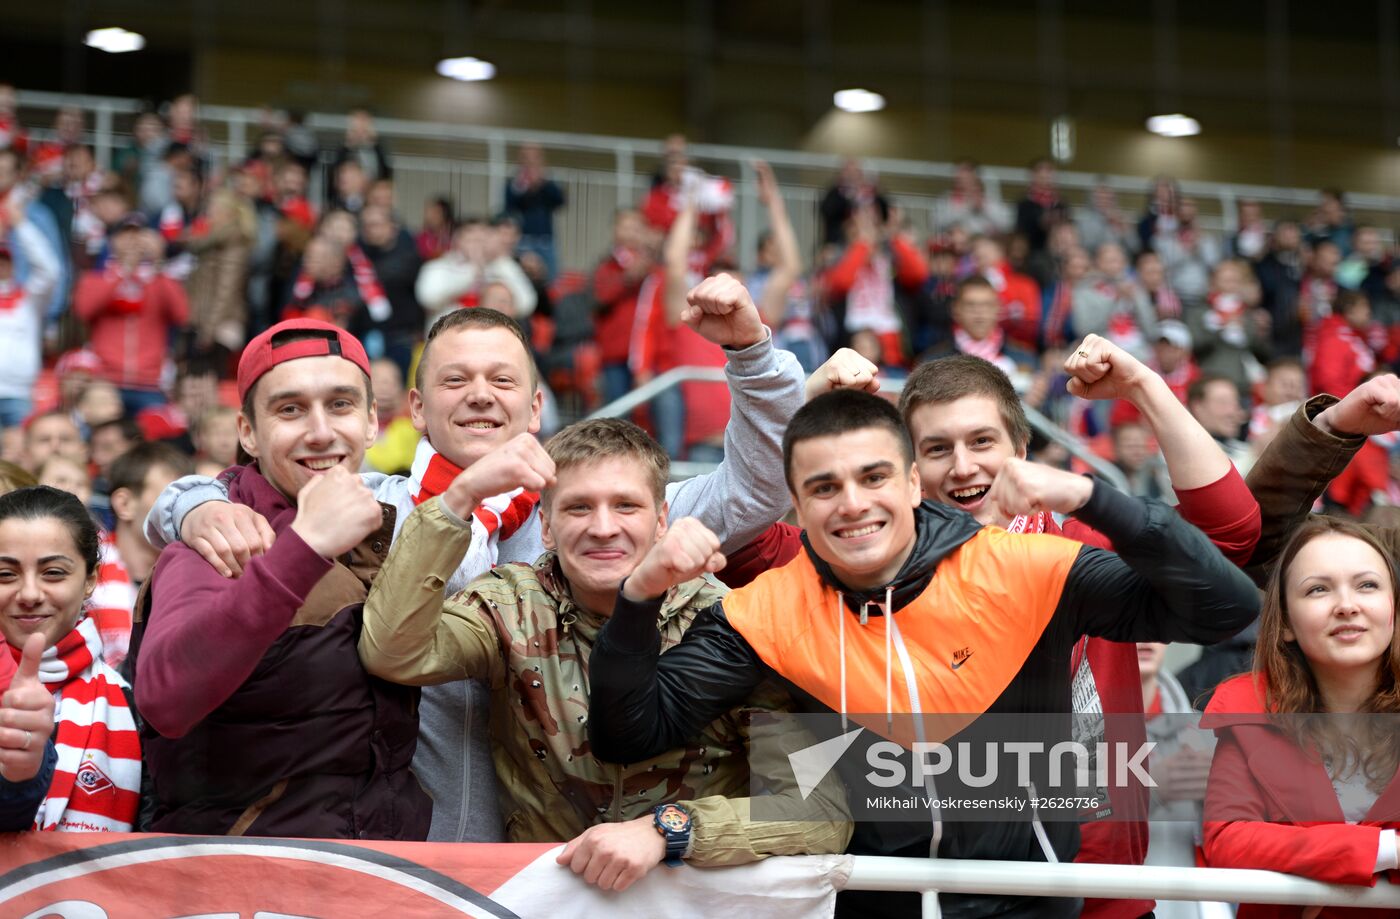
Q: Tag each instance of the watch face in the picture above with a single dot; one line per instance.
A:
(673, 818)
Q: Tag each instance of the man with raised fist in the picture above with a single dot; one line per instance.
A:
(259, 718)
(476, 391)
(900, 608)
(27, 755)
(968, 426)
(525, 631)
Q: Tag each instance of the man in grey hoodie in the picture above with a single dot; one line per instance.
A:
(476, 392)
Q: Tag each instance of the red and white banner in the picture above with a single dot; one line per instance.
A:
(136, 876)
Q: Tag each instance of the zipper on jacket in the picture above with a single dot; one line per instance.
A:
(465, 807)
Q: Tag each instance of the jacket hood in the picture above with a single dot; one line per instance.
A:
(938, 531)
(1239, 700)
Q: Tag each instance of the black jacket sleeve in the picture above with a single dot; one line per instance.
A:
(20, 800)
(643, 703)
(1166, 582)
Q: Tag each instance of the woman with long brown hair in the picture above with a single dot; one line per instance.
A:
(1303, 779)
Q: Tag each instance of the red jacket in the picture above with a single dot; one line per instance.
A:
(130, 318)
(1264, 799)
(1341, 358)
(910, 268)
(1227, 513)
(616, 297)
(1020, 306)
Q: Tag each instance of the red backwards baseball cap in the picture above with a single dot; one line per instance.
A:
(262, 355)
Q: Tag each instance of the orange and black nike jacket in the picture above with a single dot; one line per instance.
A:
(984, 622)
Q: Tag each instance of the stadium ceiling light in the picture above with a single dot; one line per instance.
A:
(858, 100)
(466, 69)
(1177, 125)
(115, 40)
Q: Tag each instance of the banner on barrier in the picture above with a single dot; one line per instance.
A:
(137, 876)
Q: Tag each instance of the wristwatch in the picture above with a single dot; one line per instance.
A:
(673, 823)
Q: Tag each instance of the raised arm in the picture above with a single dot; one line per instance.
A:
(1166, 582)
(641, 703)
(788, 267)
(207, 634)
(675, 255)
(746, 494)
(1211, 493)
(412, 634)
(1309, 451)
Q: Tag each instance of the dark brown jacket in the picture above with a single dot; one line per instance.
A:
(1295, 469)
(260, 719)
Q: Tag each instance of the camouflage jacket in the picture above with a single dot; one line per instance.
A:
(517, 629)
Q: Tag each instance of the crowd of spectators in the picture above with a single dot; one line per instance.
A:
(129, 291)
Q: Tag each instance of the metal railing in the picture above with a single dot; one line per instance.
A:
(931, 876)
(649, 390)
(601, 173)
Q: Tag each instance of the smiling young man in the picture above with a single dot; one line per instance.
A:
(476, 394)
(907, 642)
(526, 631)
(259, 718)
(966, 421)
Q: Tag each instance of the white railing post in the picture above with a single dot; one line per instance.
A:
(497, 172)
(102, 131)
(626, 175)
(747, 235)
(237, 137)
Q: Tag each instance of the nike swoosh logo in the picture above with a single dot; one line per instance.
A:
(957, 664)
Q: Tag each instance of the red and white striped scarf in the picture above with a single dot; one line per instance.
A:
(1058, 319)
(1032, 523)
(496, 518)
(97, 784)
(989, 348)
(113, 599)
(1168, 303)
(366, 282)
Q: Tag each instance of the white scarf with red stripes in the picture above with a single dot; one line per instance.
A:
(112, 601)
(496, 518)
(97, 784)
(1038, 522)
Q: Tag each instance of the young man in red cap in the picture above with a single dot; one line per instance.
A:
(259, 718)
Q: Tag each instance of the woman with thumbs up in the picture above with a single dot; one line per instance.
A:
(48, 565)
(27, 753)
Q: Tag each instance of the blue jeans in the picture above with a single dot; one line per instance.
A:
(706, 453)
(14, 410)
(668, 415)
(134, 400)
(543, 246)
(617, 382)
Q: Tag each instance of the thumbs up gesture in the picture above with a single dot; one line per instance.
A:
(26, 717)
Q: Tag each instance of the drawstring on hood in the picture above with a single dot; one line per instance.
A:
(938, 531)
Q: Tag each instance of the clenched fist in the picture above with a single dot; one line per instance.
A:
(26, 717)
(686, 551)
(1023, 487)
(1371, 408)
(845, 369)
(521, 463)
(1099, 369)
(335, 512)
(721, 310)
